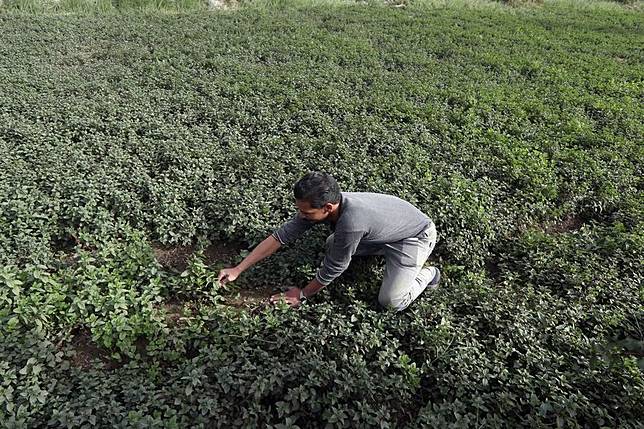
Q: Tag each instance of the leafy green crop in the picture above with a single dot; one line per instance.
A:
(518, 130)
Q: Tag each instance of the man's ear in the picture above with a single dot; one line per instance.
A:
(328, 207)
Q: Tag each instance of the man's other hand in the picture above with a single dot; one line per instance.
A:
(291, 297)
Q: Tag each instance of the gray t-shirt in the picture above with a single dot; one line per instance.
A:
(365, 217)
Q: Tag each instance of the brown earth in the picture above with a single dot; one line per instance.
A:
(177, 257)
(567, 224)
(87, 351)
(249, 299)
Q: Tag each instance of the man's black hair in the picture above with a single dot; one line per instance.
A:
(317, 188)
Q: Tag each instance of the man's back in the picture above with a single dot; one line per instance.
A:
(382, 218)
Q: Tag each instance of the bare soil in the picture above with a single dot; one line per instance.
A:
(567, 224)
(249, 299)
(87, 351)
(173, 312)
(177, 257)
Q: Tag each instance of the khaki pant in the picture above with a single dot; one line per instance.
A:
(404, 259)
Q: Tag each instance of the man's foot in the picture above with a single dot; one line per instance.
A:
(432, 275)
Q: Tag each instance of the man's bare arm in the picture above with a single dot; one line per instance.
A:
(263, 250)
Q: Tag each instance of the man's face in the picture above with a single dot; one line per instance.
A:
(312, 214)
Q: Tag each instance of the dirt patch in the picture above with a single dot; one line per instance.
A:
(220, 251)
(567, 224)
(176, 311)
(176, 257)
(173, 313)
(87, 352)
(250, 299)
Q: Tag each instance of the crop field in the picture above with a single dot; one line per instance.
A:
(142, 152)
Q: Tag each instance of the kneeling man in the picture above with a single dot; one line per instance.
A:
(363, 223)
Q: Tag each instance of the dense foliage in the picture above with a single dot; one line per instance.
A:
(517, 130)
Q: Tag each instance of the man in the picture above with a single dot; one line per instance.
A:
(364, 223)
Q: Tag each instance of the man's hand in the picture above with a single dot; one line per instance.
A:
(228, 275)
(291, 296)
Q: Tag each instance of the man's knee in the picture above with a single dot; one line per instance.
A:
(394, 303)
